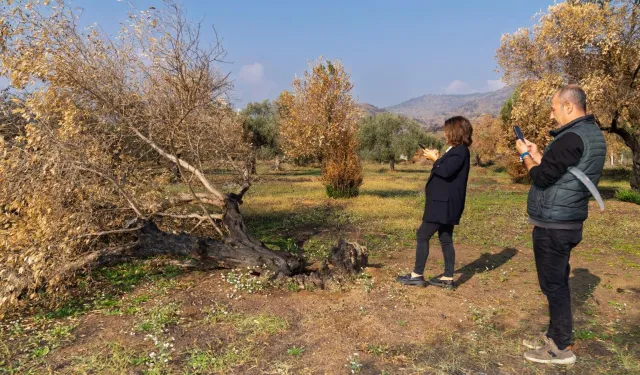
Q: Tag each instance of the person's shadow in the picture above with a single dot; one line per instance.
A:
(485, 263)
(582, 284)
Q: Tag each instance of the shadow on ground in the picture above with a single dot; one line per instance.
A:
(582, 285)
(288, 230)
(424, 171)
(608, 192)
(395, 193)
(486, 262)
(300, 172)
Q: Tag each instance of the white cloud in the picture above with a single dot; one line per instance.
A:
(253, 85)
(495, 84)
(458, 87)
(252, 74)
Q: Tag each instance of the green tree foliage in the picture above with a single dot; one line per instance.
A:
(507, 107)
(385, 137)
(261, 124)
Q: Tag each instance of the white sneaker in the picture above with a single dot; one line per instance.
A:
(535, 343)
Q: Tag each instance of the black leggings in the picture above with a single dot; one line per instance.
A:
(445, 234)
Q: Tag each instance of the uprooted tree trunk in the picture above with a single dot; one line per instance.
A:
(238, 249)
(242, 250)
(345, 260)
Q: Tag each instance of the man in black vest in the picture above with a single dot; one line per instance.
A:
(557, 206)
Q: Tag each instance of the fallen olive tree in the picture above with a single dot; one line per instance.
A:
(110, 123)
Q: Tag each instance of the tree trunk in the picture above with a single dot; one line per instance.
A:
(237, 249)
(611, 158)
(254, 163)
(276, 164)
(477, 159)
(635, 175)
(392, 164)
(632, 141)
(229, 253)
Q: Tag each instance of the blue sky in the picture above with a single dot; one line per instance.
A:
(394, 50)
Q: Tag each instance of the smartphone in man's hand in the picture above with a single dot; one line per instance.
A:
(518, 132)
(422, 146)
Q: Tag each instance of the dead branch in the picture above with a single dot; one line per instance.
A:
(189, 216)
(184, 164)
(108, 232)
(193, 193)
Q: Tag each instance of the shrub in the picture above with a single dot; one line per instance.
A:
(628, 196)
(516, 170)
(343, 176)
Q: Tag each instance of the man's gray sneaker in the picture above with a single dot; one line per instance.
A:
(550, 353)
(536, 343)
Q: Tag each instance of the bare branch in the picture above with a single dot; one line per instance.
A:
(634, 76)
(108, 232)
(183, 164)
(204, 209)
(189, 216)
(187, 198)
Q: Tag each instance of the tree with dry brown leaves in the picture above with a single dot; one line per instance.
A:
(592, 43)
(487, 133)
(86, 182)
(319, 119)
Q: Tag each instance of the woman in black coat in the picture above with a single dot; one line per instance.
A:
(445, 192)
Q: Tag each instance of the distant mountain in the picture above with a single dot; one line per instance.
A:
(370, 109)
(432, 110)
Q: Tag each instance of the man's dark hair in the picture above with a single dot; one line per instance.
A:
(574, 94)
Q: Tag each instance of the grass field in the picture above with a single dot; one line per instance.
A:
(156, 319)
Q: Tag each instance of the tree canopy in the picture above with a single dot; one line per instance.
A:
(386, 137)
(592, 43)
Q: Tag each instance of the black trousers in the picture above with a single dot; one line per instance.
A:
(551, 248)
(445, 234)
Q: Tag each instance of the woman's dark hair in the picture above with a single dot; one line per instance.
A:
(458, 131)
